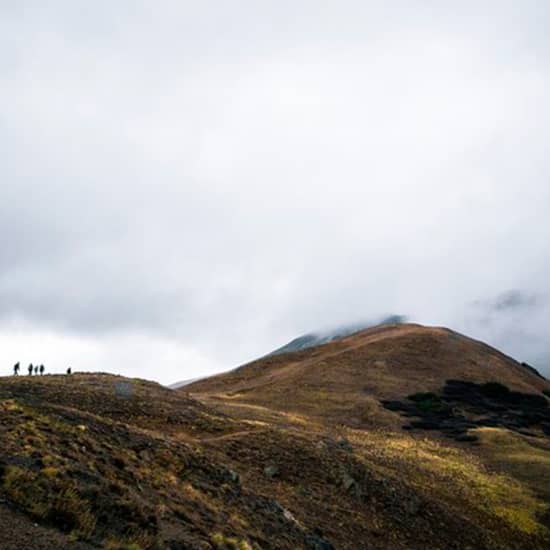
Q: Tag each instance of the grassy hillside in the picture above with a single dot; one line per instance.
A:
(344, 381)
(100, 461)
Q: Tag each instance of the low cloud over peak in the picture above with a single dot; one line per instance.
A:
(216, 180)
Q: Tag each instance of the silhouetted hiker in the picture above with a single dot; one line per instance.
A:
(36, 369)
(16, 369)
(30, 369)
(69, 370)
(42, 369)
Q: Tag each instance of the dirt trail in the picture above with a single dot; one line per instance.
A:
(225, 437)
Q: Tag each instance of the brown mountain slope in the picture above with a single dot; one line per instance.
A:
(99, 461)
(453, 395)
(345, 380)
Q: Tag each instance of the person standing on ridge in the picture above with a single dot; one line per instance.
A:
(16, 369)
(30, 369)
(69, 370)
(42, 369)
(36, 369)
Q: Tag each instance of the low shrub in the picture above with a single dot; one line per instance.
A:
(426, 401)
(126, 544)
(221, 542)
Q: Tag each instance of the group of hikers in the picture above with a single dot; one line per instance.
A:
(33, 368)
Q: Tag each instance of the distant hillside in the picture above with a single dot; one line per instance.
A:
(315, 339)
(177, 385)
(347, 379)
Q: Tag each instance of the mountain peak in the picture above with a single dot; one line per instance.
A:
(319, 337)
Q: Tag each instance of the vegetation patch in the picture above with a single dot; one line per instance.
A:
(495, 390)
(429, 465)
(222, 542)
(49, 500)
(427, 401)
(462, 406)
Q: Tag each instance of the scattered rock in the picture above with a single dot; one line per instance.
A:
(345, 445)
(348, 482)
(288, 516)
(272, 471)
(321, 445)
(234, 476)
(316, 542)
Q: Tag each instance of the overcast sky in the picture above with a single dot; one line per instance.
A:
(185, 186)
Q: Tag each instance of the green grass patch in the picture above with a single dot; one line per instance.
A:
(427, 401)
(222, 542)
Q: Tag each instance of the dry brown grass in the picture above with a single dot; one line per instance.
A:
(343, 381)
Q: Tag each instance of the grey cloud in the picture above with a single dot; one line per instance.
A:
(515, 299)
(511, 300)
(515, 321)
(227, 176)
